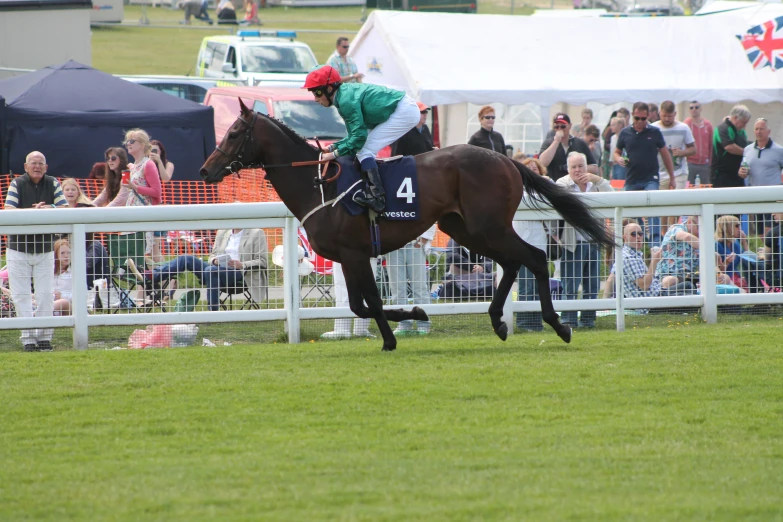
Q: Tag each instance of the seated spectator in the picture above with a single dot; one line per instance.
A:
(773, 257)
(469, 275)
(730, 244)
(98, 171)
(581, 260)
(203, 13)
(535, 234)
(680, 256)
(116, 162)
(238, 259)
(638, 279)
(226, 13)
(251, 14)
(62, 283)
(74, 195)
(98, 261)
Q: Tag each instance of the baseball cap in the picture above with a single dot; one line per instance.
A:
(562, 117)
(422, 107)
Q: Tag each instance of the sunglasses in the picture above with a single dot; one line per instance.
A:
(640, 118)
(112, 158)
(695, 107)
(130, 142)
(345, 46)
(635, 234)
(155, 151)
(489, 117)
(560, 127)
(423, 112)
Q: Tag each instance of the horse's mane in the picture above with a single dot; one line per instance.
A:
(288, 131)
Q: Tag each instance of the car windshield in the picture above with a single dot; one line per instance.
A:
(271, 59)
(311, 119)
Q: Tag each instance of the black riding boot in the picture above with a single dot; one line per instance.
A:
(375, 197)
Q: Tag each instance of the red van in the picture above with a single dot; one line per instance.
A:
(293, 106)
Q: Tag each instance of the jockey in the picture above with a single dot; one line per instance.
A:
(375, 117)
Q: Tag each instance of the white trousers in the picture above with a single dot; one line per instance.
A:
(23, 270)
(403, 119)
(343, 326)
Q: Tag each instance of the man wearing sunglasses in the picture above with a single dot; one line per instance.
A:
(701, 128)
(638, 279)
(375, 117)
(344, 64)
(555, 150)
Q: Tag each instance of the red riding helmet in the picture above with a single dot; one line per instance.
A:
(322, 76)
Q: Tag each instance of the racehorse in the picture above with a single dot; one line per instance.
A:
(471, 192)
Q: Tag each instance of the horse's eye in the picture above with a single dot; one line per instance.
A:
(232, 135)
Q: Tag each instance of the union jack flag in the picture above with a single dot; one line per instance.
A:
(764, 44)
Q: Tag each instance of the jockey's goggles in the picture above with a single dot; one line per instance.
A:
(318, 91)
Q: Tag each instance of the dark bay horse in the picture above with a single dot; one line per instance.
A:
(471, 192)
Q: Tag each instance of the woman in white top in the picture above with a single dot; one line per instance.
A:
(62, 283)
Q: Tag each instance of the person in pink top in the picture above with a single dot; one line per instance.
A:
(699, 163)
(143, 188)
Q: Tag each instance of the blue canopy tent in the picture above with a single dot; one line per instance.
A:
(73, 113)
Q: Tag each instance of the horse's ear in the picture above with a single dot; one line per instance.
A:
(242, 107)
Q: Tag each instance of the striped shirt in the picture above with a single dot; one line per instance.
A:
(12, 197)
(345, 67)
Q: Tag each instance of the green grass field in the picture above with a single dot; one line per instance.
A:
(151, 50)
(659, 424)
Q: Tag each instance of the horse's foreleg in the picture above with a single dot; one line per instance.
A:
(361, 288)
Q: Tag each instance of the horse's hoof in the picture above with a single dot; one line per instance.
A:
(565, 334)
(502, 331)
(419, 314)
(388, 348)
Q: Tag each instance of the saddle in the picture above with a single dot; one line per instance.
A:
(400, 180)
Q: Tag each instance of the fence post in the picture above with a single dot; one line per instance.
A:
(79, 288)
(619, 269)
(292, 294)
(707, 263)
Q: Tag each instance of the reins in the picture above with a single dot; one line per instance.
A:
(236, 165)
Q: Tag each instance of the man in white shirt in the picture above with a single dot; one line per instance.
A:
(679, 139)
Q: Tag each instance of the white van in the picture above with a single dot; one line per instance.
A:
(256, 57)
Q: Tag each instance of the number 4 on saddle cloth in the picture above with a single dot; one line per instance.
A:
(399, 180)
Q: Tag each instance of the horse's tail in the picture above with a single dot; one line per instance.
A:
(573, 208)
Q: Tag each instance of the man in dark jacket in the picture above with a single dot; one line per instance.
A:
(31, 257)
(418, 140)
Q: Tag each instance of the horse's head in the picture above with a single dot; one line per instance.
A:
(235, 152)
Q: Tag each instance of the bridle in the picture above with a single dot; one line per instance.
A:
(236, 163)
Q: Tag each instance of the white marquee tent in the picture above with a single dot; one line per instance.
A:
(453, 58)
(449, 59)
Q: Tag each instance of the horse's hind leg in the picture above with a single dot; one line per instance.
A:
(360, 282)
(509, 251)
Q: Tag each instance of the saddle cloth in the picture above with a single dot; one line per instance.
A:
(399, 180)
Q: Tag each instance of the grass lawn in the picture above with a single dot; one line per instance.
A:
(131, 49)
(656, 424)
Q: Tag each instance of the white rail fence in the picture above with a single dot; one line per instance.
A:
(706, 203)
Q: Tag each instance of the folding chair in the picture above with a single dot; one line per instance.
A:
(319, 281)
(131, 246)
(227, 296)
